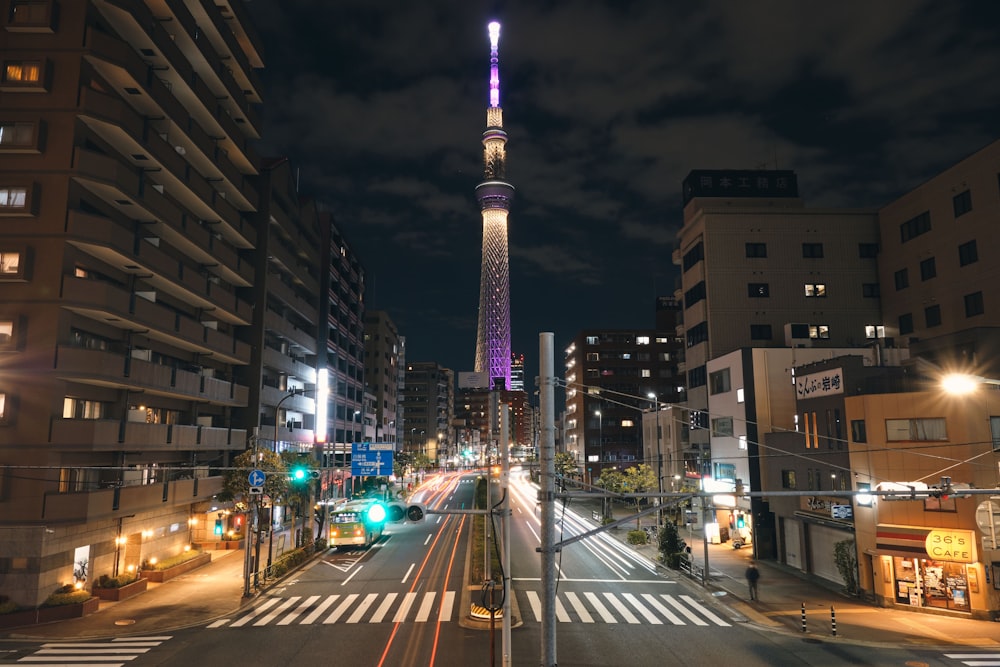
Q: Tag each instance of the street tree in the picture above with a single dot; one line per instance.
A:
(565, 464)
(639, 479)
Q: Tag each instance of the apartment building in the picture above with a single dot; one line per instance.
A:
(383, 352)
(128, 188)
(612, 376)
(940, 281)
(428, 409)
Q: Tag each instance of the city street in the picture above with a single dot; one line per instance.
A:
(405, 602)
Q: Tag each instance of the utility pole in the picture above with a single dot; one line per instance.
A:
(546, 497)
(505, 531)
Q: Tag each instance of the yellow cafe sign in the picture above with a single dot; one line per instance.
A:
(957, 546)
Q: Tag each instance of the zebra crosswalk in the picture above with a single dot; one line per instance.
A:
(429, 606)
(628, 608)
(976, 659)
(113, 653)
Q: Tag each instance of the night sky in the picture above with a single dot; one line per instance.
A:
(607, 105)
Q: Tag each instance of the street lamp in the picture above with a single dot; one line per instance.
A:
(659, 460)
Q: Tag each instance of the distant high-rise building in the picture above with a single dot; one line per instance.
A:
(383, 348)
(494, 195)
(517, 372)
(428, 410)
(612, 377)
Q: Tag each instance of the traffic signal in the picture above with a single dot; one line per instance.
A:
(413, 512)
(299, 472)
(864, 496)
(377, 513)
(218, 526)
(741, 521)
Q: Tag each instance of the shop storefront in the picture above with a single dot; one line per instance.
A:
(928, 568)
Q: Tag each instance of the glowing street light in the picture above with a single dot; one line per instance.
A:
(963, 383)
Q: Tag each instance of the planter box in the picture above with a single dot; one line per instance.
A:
(49, 614)
(220, 546)
(159, 576)
(122, 592)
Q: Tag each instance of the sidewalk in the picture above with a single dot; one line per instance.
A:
(211, 591)
(784, 592)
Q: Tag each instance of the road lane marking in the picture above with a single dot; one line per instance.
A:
(318, 611)
(302, 607)
(341, 608)
(578, 607)
(363, 608)
(383, 608)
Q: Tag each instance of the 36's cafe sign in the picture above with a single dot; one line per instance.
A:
(957, 546)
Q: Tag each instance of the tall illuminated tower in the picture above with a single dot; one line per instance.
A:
(494, 195)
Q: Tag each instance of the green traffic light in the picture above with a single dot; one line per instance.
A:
(376, 513)
(298, 474)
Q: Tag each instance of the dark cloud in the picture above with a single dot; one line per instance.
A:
(608, 104)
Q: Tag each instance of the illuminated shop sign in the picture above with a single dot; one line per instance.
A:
(957, 546)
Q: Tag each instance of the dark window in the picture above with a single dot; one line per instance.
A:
(799, 330)
(694, 295)
(760, 332)
(697, 334)
(870, 290)
(973, 304)
(758, 290)
(697, 377)
(962, 203)
(718, 382)
(932, 316)
(756, 250)
(928, 268)
(812, 250)
(858, 432)
(968, 253)
(914, 227)
(693, 256)
(905, 324)
(902, 278)
(788, 479)
(868, 250)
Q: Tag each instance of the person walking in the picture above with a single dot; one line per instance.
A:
(752, 574)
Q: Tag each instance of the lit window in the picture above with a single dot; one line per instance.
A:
(10, 263)
(646, 373)
(874, 331)
(627, 423)
(21, 75)
(6, 332)
(819, 331)
(642, 340)
(3, 407)
(815, 290)
(13, 200)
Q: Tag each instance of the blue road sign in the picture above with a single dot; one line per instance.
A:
(372, 459)
(256, 478)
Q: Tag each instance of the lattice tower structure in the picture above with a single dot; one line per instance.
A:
(494, 195)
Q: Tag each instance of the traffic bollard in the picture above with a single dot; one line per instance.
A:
(833, 621)
(803, 617)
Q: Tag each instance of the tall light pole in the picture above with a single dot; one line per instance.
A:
(600, 462)
(659, 460)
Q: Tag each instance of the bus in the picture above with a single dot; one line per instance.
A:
(355, 524)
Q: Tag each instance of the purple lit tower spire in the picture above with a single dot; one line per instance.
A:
(494, 195)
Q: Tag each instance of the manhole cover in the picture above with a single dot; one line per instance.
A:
(125, 621)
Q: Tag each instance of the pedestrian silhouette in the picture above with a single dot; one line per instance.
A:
(752, 575)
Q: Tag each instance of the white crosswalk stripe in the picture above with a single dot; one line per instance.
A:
(352, 609)
(976, 659)
(628, 608)
(113, 653)
(430, 606)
